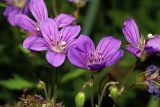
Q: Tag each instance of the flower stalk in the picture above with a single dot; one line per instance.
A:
(92, 90)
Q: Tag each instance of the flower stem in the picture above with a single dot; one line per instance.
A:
(92, 90)
(103, 92)
(55, 86)
(54, 7)
(129, 73)
(45, 92)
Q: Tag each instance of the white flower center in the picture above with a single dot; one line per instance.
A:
(19, 3)
(59, 47)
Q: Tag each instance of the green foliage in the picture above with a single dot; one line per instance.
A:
(17, 83)
(72, 75)
(153, 102)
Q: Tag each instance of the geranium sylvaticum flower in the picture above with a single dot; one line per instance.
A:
(152, 79)
(83, 54)
(15, 7)
(54, 41)
(40, 13)
(138, 46)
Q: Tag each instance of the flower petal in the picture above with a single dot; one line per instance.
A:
(108, 46)
(49, 30)
(35, 42)
(85, 44)
(12, 16)
(63, 20)
(26, 7)
(38, 9)
(54, 58)
(77, 57)
(135, 51)
(131, 32)
(153, 45)
(69, 33)
(96, 67)
(114, 58)
(26, 23)
(8, 10)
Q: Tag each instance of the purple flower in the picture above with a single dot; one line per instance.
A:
(153, 88)
(15, 7)
(84, 55)
(55, 42)
(40, 13)
(152, 76)
(137, 45)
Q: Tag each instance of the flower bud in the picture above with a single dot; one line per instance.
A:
(41, 85)
(113, 92)
(79, 3)
(80, 99)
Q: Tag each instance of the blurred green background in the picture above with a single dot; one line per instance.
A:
(21, 69)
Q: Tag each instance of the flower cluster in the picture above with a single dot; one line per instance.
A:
(58, 37)
(61, 38)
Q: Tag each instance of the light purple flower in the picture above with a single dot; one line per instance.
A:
(84, 55)
(15, 7)
(138, 46)
(40, 13)
(55, 42)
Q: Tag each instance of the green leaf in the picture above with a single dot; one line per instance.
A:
(72, 75)
(17, 83)
(153, 102)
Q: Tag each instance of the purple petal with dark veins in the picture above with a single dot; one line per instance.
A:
(36, 43)
(69, 33)
(96, 67)
(135, 51)
(114, 58)
(63, 20)
(81, 51)
(153, 45)
(108, 46)
(49, 31)
(131, 32)
(77, 57)
(38, 9)
(26, 23)
(55, 59)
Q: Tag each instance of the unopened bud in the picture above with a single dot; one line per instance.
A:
(41, 85)
(113, 92)
(80, 99)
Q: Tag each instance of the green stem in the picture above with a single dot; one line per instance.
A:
(55, 86)
(128, 74)
(54, 7)
(45, 92)
(92, 91)
(103, 92)
(2, 4)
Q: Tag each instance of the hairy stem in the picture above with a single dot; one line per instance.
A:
(92, 90)
(103, 92)
(55, 86)
(128, 74)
